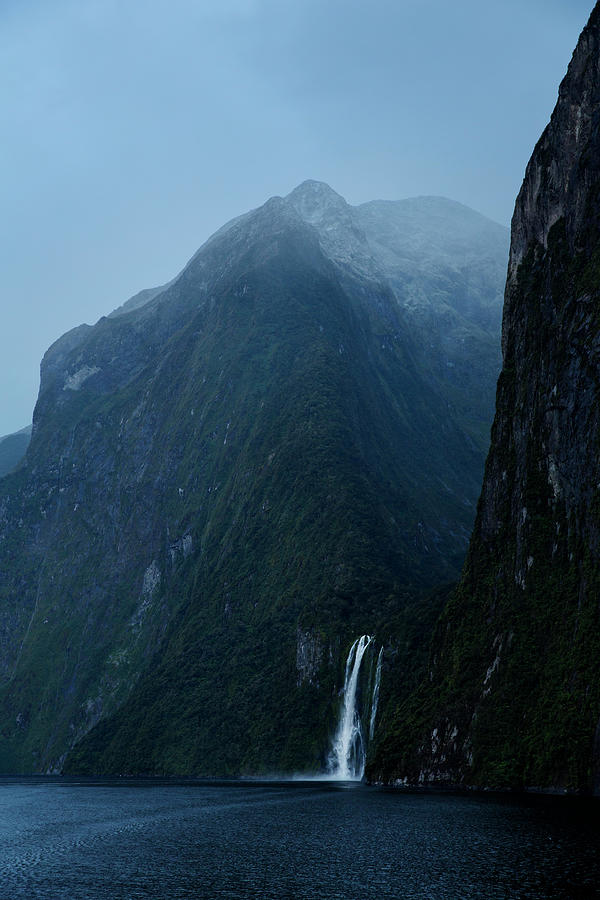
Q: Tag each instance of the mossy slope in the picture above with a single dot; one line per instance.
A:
(249, 470)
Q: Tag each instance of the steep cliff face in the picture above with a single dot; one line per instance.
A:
(12, 449)
(513, 696)
(231, 478)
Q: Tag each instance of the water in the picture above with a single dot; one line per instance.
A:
(348, 753)
(375, 700)
(64, 840)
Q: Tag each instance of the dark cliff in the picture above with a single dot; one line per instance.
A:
(513, 694)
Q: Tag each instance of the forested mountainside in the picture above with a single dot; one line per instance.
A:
(234, 475)
(512, 698)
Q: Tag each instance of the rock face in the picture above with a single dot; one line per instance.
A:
(513, 697)
(13, 448)
(234, 475)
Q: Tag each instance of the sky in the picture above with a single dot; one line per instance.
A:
(130, 130)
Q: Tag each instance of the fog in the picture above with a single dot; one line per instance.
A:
(131, 130)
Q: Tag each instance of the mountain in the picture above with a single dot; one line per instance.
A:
(512, 698)
(234, 475)
(13, 448)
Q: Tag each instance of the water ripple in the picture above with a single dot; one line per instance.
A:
(176, 842)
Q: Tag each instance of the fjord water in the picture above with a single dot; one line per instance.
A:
(127, 840)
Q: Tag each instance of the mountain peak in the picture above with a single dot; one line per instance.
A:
(287, 358)
(313, 200)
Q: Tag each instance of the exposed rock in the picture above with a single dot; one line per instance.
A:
(528, 599)
(13, 448)
(309, 656)
(73, 382)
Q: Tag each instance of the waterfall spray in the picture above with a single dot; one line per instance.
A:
(347, 759)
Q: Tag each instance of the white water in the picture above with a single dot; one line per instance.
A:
(375, 700)
(347, 760)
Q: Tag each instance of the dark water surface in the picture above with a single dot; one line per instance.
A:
(126, 839)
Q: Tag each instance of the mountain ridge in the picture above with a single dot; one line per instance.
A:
(146, 295)
(261, 458)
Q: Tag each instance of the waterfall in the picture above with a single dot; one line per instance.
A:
(347, 759)
(375, 699)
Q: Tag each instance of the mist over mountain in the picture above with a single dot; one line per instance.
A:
(233, 475)
(512, 695)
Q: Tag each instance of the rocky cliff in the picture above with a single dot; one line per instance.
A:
(12, 449)
(513, 694)
(237, 473)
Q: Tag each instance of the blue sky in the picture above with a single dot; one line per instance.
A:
(132, 129)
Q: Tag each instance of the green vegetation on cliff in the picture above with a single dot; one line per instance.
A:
(229, 483)
(512, 698)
